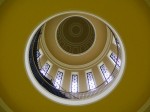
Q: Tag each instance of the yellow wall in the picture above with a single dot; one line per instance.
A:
(131, 18)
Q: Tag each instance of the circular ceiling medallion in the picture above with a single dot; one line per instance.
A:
(75, 58)
(75, 34)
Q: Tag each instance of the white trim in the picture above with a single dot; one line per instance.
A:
(57, 99)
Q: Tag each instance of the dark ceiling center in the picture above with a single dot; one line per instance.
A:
(75, 35)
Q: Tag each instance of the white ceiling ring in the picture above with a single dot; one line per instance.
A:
(57, 99)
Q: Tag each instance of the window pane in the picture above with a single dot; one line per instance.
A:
(115, 59)
(58, 79)
(106, 73)
(116, 41)
(38, 54)
(90, 79)
(45, 68)
(74, 83)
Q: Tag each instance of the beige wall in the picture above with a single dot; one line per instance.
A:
(82, 81)
(66, 80)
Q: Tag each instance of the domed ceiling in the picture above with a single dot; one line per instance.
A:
(19, 19)
(75, 56)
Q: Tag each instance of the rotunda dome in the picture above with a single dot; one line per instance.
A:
(75, 58)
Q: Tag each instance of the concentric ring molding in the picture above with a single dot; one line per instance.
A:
(67, 63)
(67, 101)
(85, 20)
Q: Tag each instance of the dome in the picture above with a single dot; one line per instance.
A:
(75, 58)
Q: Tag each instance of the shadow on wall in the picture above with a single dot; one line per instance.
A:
(145, 107)
(4, 107)
(1, 1)
(148, 2)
